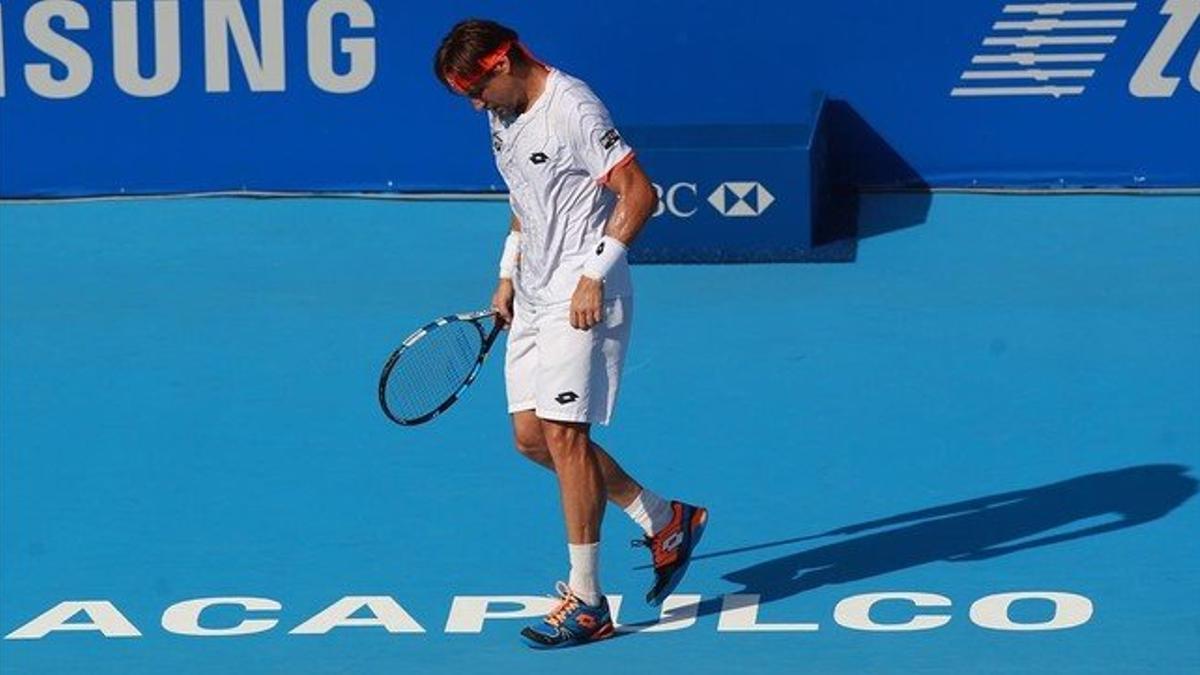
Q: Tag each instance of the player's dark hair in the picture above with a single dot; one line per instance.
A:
(468, 42)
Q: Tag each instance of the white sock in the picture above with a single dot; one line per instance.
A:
(650, 511)
(584, 580)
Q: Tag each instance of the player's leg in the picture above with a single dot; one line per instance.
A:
(672, 528)
(583, 614)
(611, 340)
(619, 487)
(529, 439)
(579, 373)
(566, 358)
(580, 481)
(647, 510)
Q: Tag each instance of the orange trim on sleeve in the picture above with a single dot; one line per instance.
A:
(603, 180)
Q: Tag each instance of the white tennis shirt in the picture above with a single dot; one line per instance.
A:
(556, 158)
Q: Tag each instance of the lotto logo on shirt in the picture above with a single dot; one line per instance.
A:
(732, 199)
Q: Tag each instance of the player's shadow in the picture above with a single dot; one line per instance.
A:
(966, 531)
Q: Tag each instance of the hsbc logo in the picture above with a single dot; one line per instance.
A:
(732, 199)
(741, 199)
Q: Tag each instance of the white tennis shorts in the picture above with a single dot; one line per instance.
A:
(563, 373)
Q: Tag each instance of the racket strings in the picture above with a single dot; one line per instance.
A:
(432, 369)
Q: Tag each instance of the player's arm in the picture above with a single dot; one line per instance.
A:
(502, 298)
(598, 146)
(635, 202)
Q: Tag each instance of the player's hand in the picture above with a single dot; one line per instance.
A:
(502, 302)
(587, 303)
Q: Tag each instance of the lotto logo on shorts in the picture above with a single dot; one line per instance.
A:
(567, 397)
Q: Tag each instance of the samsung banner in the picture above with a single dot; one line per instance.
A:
(154, 96)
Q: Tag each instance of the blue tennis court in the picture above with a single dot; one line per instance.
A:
(997, 396)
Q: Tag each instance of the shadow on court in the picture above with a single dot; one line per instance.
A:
(975, 529)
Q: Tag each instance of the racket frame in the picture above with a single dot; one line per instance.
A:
(474, 318)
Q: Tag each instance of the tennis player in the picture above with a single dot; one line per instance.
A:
(578, 199)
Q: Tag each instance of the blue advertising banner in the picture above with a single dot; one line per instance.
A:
(142, 96)
(745, 193)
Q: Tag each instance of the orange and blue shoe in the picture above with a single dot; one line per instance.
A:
(573, 622)
(671, 548)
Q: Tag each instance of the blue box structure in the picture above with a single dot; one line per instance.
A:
(735, 193)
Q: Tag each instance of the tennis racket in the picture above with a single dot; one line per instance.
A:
(432, 367)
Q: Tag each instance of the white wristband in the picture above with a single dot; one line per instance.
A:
(608, 253)
(512, 251)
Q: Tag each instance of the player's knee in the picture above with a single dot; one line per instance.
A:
(529, 441)
(532, 446)
(566, 438)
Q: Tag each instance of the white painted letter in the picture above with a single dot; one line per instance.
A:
(855, 612)
(41, 36)
(104, 617)
(1149, 81)
(468, 612)
(660, 206)
(320, 46)
(678, 612)
(739, 613)
(673, 207)
(224, 19)
(183, 618)
(387, 613)
(1070, 610)
(126, 68)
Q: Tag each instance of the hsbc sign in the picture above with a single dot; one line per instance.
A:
(733, 193)
(732, 199)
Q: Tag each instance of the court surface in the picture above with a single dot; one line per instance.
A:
(998, 395)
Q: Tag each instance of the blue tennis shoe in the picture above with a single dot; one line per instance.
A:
(573, 622)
